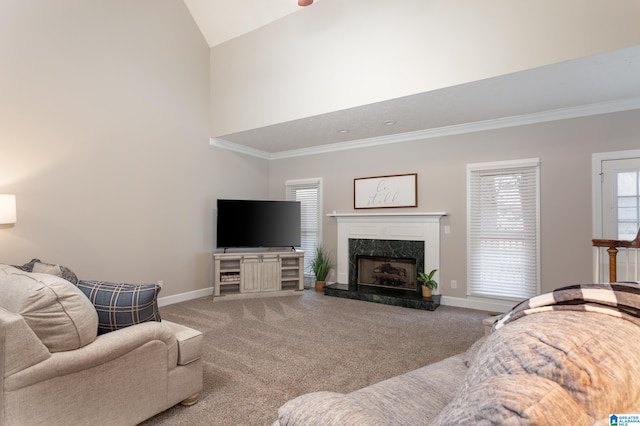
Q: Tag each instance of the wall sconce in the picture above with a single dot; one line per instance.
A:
(7, 209)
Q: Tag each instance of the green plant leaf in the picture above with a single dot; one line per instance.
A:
(321, 263)
(427, 279)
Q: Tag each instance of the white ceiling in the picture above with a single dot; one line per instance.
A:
(597, 84)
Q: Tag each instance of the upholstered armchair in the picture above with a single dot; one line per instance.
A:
(57, 369)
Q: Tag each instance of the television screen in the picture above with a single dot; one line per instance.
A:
(256, 223)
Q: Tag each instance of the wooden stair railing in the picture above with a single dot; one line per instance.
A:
(613, 247)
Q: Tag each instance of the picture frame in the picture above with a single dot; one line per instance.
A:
(392, 191)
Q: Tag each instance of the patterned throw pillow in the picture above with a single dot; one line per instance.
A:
(49, 268)
(121, 305)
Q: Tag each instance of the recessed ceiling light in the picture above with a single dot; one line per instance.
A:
(343, 131)
(389, 122)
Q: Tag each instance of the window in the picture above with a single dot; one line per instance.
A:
(628, 206)
(309, 193)
(503, 229)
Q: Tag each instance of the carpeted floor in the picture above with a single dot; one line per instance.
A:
(259, 353)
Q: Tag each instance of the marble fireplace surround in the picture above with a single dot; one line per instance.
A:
(387, 226)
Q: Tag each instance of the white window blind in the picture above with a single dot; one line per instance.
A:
(503, 229)
(309, 193)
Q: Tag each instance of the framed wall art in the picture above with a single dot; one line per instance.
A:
(386, 191)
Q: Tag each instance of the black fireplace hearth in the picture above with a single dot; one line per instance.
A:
(387, 296)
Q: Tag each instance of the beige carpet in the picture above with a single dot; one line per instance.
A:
(259, 353)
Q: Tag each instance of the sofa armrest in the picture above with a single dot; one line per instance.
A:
(328, 409)
(107, 347)
(189, 342)
(20, 348)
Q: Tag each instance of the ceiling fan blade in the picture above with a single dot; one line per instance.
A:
(305, 2)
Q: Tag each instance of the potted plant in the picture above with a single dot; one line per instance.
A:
(428, 283)
(321, 264)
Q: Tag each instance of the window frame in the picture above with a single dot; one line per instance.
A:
(292, 185)
(532, 288)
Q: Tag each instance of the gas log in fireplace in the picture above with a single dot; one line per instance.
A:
(387, 272)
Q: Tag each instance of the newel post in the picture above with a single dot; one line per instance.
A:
(613, 266)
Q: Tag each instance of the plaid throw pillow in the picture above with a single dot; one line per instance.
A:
(121, 305)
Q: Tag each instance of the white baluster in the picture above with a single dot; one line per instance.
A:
(597, 273)
(626, 267)
(635, 251)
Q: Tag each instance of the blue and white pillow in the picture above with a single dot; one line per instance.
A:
(121, 305)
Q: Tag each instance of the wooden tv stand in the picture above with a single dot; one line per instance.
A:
(257, 272)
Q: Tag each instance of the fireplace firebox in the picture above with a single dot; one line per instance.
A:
(400, 254)
(387, 272)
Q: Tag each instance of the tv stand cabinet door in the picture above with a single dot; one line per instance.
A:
(270, 280)
(250, 274)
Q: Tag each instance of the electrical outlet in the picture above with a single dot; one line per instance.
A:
(161, 283)
(454, 284)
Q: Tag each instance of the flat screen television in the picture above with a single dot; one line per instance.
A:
(258, 223)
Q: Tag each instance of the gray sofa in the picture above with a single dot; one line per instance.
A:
(55, 369)
(568, 357)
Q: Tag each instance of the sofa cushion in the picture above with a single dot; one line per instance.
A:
(121, 305)
(327, 409)
(580, 351)
(35, 265)
(9, 269)
(57, 312)
(513, 400)
(471, 353)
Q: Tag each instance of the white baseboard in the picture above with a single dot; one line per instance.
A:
(237, 296)
(196, 294)
(498, 306)
(183, 297)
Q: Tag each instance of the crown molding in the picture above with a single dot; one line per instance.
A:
(230, 146)
(477, 126)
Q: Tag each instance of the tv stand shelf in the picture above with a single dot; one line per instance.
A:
(256, 272)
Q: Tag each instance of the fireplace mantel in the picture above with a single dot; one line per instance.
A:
(386, 215)
(408, 226)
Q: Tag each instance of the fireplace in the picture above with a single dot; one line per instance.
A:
(387, 242)
(386, 272)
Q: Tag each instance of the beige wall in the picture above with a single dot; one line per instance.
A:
(564, 148)
(104, 139)
(104, 130)
(340, 54)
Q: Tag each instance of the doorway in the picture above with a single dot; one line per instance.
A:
(616, 195)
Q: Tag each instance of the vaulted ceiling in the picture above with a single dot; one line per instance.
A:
(222, 20)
